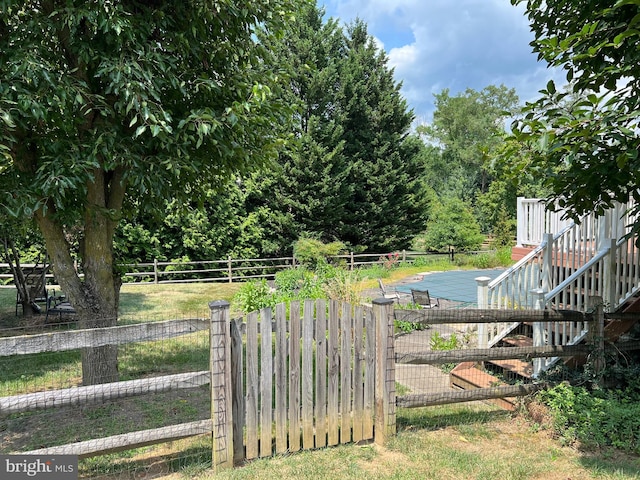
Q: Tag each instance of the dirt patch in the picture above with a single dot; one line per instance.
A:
(384, 463)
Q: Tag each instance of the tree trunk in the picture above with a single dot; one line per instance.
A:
(96, 297)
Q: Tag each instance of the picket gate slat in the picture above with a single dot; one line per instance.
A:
(369, 374)
(345, 373)
(251, 403)
(307, 375)
(294, 377)
(321, 374)
(332, 375)
(266, 383)
(238, 403)
(358, 385)
(281, 378)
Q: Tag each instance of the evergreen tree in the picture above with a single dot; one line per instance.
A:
(355, 174)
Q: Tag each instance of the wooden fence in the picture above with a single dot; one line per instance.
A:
(237, 269)
(260, 375)
(307, 375)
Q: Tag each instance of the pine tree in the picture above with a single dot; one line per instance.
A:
(353, 173)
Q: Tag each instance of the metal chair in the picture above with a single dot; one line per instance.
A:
(395, 295)
(423, 299)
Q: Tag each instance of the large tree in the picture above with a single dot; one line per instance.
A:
(108, 100)
(467, 127)
(355, 174)
(585, 139)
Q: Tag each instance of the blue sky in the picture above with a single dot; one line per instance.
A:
(454, 44)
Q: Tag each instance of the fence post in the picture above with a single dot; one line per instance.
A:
(221, 387)
(483, 303)
(352, 261)
(538, 330)
(155, 270)
(229, 270)
(385, 382)
(596, 335)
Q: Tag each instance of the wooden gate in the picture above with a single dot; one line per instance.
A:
(301, 378)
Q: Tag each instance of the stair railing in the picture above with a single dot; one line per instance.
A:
(551, 263)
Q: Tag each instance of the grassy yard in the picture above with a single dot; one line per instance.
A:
(444, 443)
(467, 441)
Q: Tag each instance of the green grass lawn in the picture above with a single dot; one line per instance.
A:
(460, 442)
(466, 441)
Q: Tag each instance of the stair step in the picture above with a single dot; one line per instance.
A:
(524, 369)
(518, 341)
(468, 376)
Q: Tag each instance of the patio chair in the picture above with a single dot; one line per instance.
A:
(423, 299)
(386, 293)
(36, 285)
(58, 305)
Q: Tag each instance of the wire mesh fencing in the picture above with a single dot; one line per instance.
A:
(147, 420)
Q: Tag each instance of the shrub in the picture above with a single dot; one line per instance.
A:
(595, 418)
(452, 224)
(440, 342)
(312, 253)
(406, 326)
(254, 296)
(344, 286)
(374, 271)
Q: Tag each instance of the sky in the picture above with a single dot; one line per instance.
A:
(453, 44)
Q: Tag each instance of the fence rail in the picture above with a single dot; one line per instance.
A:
(238, 269)
(306, 375)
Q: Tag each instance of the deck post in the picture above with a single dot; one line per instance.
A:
(547, 263)
(483, 303)
(385, 375)
(221, 387)
(609, 277)
(596, 334)
(538, 330)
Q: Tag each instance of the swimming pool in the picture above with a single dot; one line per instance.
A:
(456, 285)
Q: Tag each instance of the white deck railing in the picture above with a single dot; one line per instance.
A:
(589, 259)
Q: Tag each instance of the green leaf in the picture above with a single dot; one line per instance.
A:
(551, 87)
(140, 130)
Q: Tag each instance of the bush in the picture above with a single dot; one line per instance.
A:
(312, 253)
(406, 326)
(254, 296)
(452, 224)
(595, 418)
(345, 285)
(440, 342)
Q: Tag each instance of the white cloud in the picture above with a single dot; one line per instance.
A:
(437, 44)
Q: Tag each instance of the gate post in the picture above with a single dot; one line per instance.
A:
(221, 389)
(385, 382)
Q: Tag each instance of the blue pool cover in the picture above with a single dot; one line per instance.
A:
(456, 285)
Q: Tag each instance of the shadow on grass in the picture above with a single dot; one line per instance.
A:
(134, 304)
(151, 462)
(611, 462)
(439, 417)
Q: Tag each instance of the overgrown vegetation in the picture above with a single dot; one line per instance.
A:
(442, 342)
(584, 413)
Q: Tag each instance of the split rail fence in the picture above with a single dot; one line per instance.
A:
(238, 269)
(303, 376)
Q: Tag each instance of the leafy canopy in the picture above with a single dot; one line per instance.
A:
(584, 140)
(164, 96)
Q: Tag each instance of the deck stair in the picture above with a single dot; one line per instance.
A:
(568, 267)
